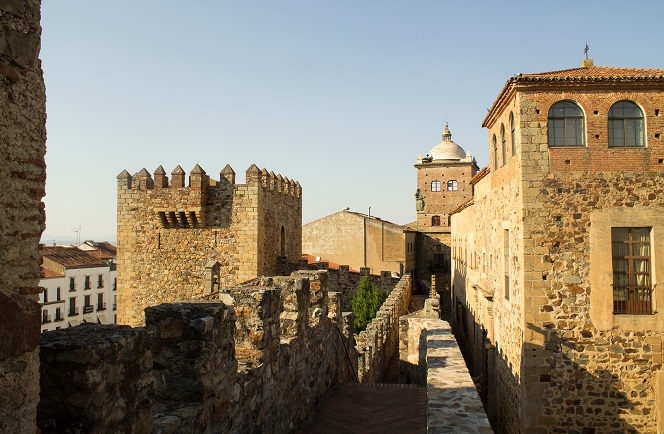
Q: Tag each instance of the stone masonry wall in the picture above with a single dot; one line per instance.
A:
(258, 363)
(22, 174)
(574, 198)
(171, 235)
(376, 345)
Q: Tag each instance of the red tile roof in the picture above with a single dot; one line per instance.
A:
(72, 256)
(593, 73)
(311, 259)
(46, 273)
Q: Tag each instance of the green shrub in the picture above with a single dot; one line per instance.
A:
(367, 301)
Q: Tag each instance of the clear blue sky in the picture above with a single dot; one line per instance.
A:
(339, 95)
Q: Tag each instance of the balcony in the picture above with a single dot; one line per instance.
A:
(101, 306)
(632, 300)
(73, 311)
(88, 309)
(46, 319)
(58, 318)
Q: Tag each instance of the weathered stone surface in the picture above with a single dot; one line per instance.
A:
(19, 329)
(96, 378)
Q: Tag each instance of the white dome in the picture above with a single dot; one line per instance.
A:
(447, 149)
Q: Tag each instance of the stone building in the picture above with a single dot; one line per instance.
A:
(178, 241)
(556, 258)
(443, 183)
(360, 241)
(22, 174)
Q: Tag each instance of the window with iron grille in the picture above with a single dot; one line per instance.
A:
(632, 288)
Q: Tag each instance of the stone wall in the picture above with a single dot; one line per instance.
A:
(22, 174)
(345, 282)
(257, 363)
(376, 345)
(429, 356)
(193, 239)
(548, 349)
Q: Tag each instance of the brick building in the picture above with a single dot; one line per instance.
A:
(176, 242)
(556, 258)
(443, 183)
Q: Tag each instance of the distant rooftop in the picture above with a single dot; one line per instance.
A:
(71, 256)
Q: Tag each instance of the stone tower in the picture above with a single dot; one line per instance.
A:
(443, 184)
(178, 241)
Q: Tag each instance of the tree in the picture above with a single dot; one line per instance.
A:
(367, 301)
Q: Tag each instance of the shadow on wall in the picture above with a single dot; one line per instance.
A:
(557, 392)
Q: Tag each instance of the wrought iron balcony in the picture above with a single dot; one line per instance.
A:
(632, 300)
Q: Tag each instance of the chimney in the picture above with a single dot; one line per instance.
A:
(587, 63)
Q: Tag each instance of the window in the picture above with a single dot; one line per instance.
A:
(72, 284)
(439, 261)
(57, 293)
(87, 306)
(45, 295)
(435, 220)
(73, 310)
(100, 281)
(115, 302)
(506, 261)
(283, 241)
(87, 282)
(566, 125)
(45, 318)
(625, 125)
(451, 185)
(495, 152)
(632, 289)
(115, 283)
(435, 186)
(100, 302)
(512, 133)
(58, 314)
(503, 143)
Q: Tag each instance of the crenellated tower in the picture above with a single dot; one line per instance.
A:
(179, 239)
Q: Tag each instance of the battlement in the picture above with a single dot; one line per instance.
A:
(200, 181)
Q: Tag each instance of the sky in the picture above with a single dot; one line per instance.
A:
(339, 95)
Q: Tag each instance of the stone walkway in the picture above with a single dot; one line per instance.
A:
(368, 409)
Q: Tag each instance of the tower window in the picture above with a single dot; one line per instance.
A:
(435, 185)
(435, 220)
(566, 124)
(451, 185)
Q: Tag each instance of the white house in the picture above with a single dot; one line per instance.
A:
(79, 286)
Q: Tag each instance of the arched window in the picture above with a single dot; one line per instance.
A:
(503, 143)
(512, 133)
(626, 125)
(283, 242)
(435, 185)
(451, 185)
(435, 220)
(495, 153)
(566, 124)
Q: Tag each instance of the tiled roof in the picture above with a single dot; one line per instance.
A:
(103, 249)
(311, 259)
(593, 73)
(479, 175)
(72, 256)
(466, 204)
(46, 273)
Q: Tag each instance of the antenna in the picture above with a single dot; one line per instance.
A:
(78, 234)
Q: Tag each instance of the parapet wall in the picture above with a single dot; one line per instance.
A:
(257, 363)
(376, 345)
(180, 240)
(434, 359)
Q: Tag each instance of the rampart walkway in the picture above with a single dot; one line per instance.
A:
(370, 408)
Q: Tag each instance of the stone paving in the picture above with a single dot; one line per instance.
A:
(369, 409)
